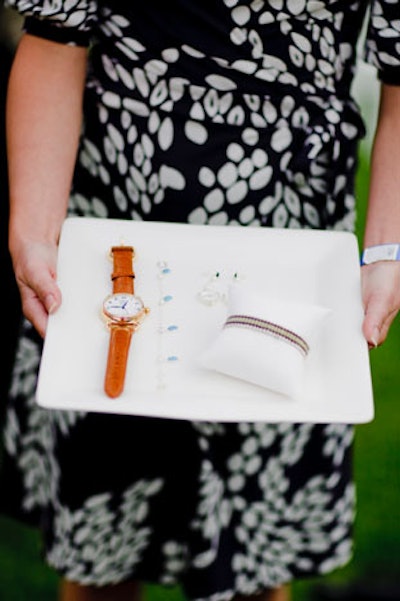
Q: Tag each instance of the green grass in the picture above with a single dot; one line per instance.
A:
(377, 534)
(23, 575)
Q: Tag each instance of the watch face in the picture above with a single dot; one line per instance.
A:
(123, 306)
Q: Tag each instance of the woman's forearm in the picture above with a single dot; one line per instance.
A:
(43, 118)
(381, 280)
(383, 215)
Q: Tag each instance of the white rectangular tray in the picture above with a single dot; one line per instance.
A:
(320, 267)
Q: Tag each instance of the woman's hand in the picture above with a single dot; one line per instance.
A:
(35, 272)
(43, 119)
(381, 299)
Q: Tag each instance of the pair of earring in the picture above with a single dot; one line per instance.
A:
(214, 290)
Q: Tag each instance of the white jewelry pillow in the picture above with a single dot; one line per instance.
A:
(265, 340)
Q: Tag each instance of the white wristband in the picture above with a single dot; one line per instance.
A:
(380, 252)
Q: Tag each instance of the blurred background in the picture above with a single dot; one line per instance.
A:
(374, 573)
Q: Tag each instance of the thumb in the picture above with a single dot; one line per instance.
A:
(52, 301)
(376, 321)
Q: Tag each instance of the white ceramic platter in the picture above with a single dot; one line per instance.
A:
(164, 378)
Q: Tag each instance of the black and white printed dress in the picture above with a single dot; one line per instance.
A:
(207, 112)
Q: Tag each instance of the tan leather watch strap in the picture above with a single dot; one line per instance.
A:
(120, 338)
(123, 275)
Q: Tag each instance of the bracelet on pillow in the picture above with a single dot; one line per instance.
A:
(265, 340)
(380, 252)
(268, 327)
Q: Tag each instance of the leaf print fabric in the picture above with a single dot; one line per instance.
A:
(215, 112)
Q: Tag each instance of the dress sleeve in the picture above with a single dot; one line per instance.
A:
(383, 40)
(65, 21)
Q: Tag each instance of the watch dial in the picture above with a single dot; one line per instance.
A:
(123, 306)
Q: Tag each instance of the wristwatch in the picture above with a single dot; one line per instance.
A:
(124, 312)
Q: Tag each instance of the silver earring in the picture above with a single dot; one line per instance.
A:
(213, 291)
(237, 277)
